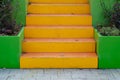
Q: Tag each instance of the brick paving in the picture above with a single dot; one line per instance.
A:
(59, 74)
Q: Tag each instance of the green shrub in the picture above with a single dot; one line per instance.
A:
(108, 30)
(8, 24)
(112, 16)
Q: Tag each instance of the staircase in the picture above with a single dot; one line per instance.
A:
(59, 34)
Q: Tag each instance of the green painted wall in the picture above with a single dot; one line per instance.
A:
(20, 10)
(10, 50)
(97, 12)
(108, 50)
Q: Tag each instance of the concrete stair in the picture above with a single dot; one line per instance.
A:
(59, 34)
(59, 9)
(59, 60)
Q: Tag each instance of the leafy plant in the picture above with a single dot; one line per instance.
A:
(108, 31)
(115, 16)
(112, 15)
(8, 25)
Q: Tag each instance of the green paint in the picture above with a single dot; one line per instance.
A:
(20, 10)
(97, 11)
(108, 50)
(10, 50)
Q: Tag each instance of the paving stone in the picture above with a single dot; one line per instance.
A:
(2, 78)
(65, 76)
(78, 76)
(61, 79)
(53, 71)
(59, 74)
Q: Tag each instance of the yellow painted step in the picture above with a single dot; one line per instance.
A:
(59, 45)
(59, 1)
(59, 8)
(59, 32)
(37, 20)
(59, 60)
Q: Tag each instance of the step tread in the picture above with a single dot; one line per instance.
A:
(59, 1)
(59, 60)
(84, 4)
(57, 55)
(46, 19)
(59, 8)
(80, 27)
(59, 32)
(59, 15)
(60, 40)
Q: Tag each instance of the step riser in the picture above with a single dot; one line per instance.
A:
(38, 20)
(59, 9)
(59, 62)
(50, 32)
(59, 1)
(58, 46)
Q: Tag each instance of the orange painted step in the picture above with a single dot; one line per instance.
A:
(59, 60)
(59, 8)
(59, 45)
(59, 32)
(58, 20)
(59, 1)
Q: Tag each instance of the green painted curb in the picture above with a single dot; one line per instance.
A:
(108, 50)
(10, 50)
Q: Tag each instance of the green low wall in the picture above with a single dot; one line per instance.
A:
(11, 46)
(10, 50)
(97, 11)
(20, 10)
(108, 50)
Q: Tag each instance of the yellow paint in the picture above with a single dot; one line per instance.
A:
(58, 1)
(59, 32)
(55, 19)
(59, 8)
(83, 20)
(36, 45)
(59, 62)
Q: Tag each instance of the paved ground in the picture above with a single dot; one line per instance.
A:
(59, 74)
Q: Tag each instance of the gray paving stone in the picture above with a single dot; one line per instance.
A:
(62, 79)
(65, 76)
(2, 78)
(53, 71)
(78, 76)
(80, 79)
(59, 74)
(43, 78)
